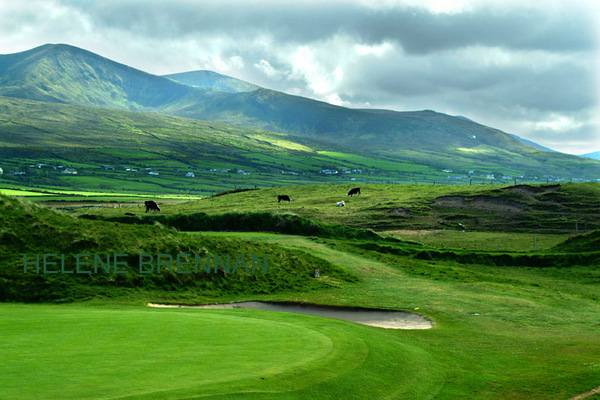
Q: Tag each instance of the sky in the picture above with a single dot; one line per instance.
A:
(527, 68)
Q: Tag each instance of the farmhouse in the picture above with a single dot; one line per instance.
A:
(70, 171)
(190, 175)
(153, 173)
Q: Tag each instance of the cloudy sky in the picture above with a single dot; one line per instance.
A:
(529, 69)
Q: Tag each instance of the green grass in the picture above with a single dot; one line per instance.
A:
(509, 324)
(134, 352)
(487, 241)
(501, 332)
(32, 230)
(526, 209)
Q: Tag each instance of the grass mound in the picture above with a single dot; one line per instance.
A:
(586, 242)
(27, 229)
(286, 223)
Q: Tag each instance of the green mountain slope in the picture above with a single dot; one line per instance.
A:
(212, 80)
(65, 74)
(436, 139)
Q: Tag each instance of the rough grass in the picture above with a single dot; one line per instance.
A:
(29, 229)
(535, 209)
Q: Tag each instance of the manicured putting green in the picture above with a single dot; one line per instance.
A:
(65, 352)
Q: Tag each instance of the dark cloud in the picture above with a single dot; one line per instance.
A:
(419, 31)
(510, 65)
(424, 32)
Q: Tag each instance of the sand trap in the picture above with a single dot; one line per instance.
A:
(366, 316)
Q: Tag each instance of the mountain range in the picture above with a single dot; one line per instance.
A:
(59, 73)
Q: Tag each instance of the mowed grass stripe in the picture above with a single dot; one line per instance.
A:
(71, 352)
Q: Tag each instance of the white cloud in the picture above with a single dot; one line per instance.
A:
(557, 123)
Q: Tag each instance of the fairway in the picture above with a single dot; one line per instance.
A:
(72, 352)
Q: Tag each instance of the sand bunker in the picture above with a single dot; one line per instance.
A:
(366, 316)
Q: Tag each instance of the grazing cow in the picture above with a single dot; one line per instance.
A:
(283, 197)
(151, 206)
(341, 203)
(354, 191)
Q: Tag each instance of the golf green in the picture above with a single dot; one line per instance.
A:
(75, 351)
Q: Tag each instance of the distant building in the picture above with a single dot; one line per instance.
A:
(107, 167)
(18, 173)
(329, 171)
(69, 171)
(153, 173)
(190, 175)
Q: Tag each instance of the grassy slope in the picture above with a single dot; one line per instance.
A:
(67, 74)
(516, 332)
(86, 138)
(501, 332)
(32, 230)
(444, 141)
(527, 209)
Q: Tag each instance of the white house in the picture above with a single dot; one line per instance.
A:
(70, 171)
(190, 175)
(153, 173)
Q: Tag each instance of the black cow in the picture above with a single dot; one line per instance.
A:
(151, 206)
(354, 191)
(283, 197)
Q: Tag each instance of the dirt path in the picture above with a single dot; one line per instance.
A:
(587, 394)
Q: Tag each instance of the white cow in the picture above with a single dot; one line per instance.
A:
(341, 204)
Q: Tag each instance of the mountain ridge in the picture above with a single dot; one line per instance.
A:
(65, 74)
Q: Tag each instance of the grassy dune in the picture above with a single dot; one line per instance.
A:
(28, 229)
